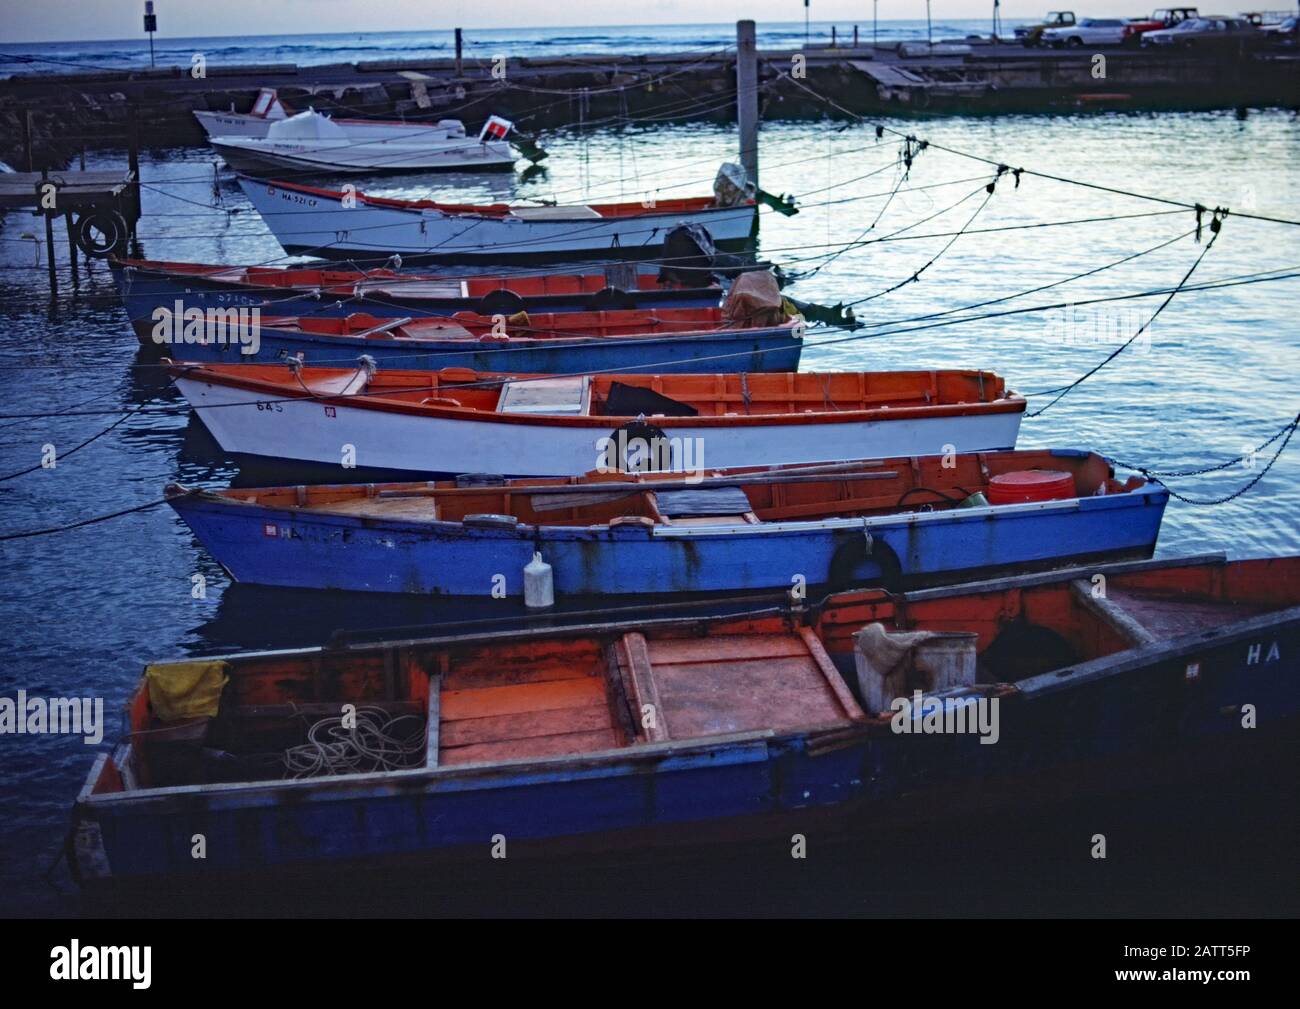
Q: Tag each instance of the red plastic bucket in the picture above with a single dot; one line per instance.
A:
(1029, 485)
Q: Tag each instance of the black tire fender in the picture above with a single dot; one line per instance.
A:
(101, 233)
(859, 550)
(500, 302)
(611, 298)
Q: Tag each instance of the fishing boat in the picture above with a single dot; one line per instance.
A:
(268, 109)
(902, 522)
(148, 285)
(869, 709)
(312, 142)
(664, 340)
(344, 225)
(455, 421)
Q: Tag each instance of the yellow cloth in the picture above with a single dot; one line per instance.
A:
(186, 689)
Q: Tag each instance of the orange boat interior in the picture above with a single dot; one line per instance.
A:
(538, 326)
(391, 282)
(584, 690)
(795, 493)
(487, 702)
(700, 395)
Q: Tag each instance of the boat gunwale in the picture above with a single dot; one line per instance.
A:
(1150, 494)
(497, 211)
(593, 764)
(212, 374)
(533, 336)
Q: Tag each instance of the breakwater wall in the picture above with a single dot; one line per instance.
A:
(49, 118)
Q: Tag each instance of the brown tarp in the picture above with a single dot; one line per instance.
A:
(754, 300)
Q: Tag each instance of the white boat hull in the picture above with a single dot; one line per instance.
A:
(219, 125)
(314, 221)
(312, 432)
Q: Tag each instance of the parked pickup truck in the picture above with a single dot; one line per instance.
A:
(1164, 17)
(1032, 35)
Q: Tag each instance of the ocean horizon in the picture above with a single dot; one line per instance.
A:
(315, 49)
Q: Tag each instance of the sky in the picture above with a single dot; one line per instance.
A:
(58, 20)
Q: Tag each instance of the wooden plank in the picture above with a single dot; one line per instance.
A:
(616, 695)
(433, 722)
(724, 648)
(547, 662)
(317, 710)
(485, 701)
(644, 690)
(540, 746)
(1122, 623)
(836, 682)
(527, 725)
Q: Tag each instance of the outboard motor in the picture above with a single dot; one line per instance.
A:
(689, 253)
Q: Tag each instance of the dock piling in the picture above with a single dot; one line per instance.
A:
(460, 46)
(133, 165)
(747, 97)
(27, 140)
(72, 248)
(49, 234)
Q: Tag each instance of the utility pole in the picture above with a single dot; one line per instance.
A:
(747, 97)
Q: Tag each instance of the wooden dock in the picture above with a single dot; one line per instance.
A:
(100, 209)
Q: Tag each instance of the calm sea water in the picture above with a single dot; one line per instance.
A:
(84, 610)
(480, 43)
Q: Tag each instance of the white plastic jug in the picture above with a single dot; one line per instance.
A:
(539, 586)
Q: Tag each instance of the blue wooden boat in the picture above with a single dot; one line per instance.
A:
(662, 340)
(902, 522)
(146, 285)
(613, 735)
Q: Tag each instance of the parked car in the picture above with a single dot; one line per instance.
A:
(1266, 19)
(1285, 34)
(1089, 31)
(1031, 35)
(1215, 32)
(1161, 17)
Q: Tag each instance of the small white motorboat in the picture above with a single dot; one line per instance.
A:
(310, 140)
(268, 110)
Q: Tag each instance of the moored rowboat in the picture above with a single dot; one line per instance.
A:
(897, 521)
(759, 721)
(664, 340)
(328, 223)
(455, 421)
(146, 285)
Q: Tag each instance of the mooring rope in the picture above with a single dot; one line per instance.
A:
(375, 741)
